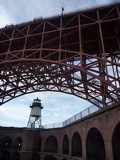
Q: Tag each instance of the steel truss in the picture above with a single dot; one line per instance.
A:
(76, 53)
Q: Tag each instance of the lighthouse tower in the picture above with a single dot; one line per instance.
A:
(35, 115)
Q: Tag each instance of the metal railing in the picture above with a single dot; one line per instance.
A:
(78, 116)
(53, 125)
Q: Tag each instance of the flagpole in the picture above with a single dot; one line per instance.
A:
(62, 10)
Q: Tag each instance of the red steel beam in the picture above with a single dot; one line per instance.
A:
(77, 53)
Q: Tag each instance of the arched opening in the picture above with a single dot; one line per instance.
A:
(35, 156)
(64, 159)
(95, 145)
(17, 143)
(15, 156)
(50, 158)
(116, 143)
(76, 145)
(65, 145)
(6, 142)
(4, 155)
(39, 144)
(51, 145)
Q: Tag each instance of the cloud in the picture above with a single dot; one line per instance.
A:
(57, 108)
(18, 11)
(5, 18)
(14, 114)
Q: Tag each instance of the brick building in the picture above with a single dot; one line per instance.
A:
(95, 136)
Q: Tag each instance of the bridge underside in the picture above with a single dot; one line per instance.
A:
(76, 53)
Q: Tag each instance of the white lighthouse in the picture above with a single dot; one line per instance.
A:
(35, 115)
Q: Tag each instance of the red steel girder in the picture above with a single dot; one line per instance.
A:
(76, 53)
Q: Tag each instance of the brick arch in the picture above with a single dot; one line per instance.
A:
(35, 156)
(116, 142)
(5, 155)
(65, 145)
(6, 142)
(15, 156)
(49, 158)
(95, 147)
(51, 144)
(76, 145)
(17, 143)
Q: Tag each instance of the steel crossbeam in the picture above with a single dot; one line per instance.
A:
(76, 53)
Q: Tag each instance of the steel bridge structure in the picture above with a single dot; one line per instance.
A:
(76, 53)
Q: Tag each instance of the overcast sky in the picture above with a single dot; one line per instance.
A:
(57, 106)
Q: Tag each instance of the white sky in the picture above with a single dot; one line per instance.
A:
(57, 106)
